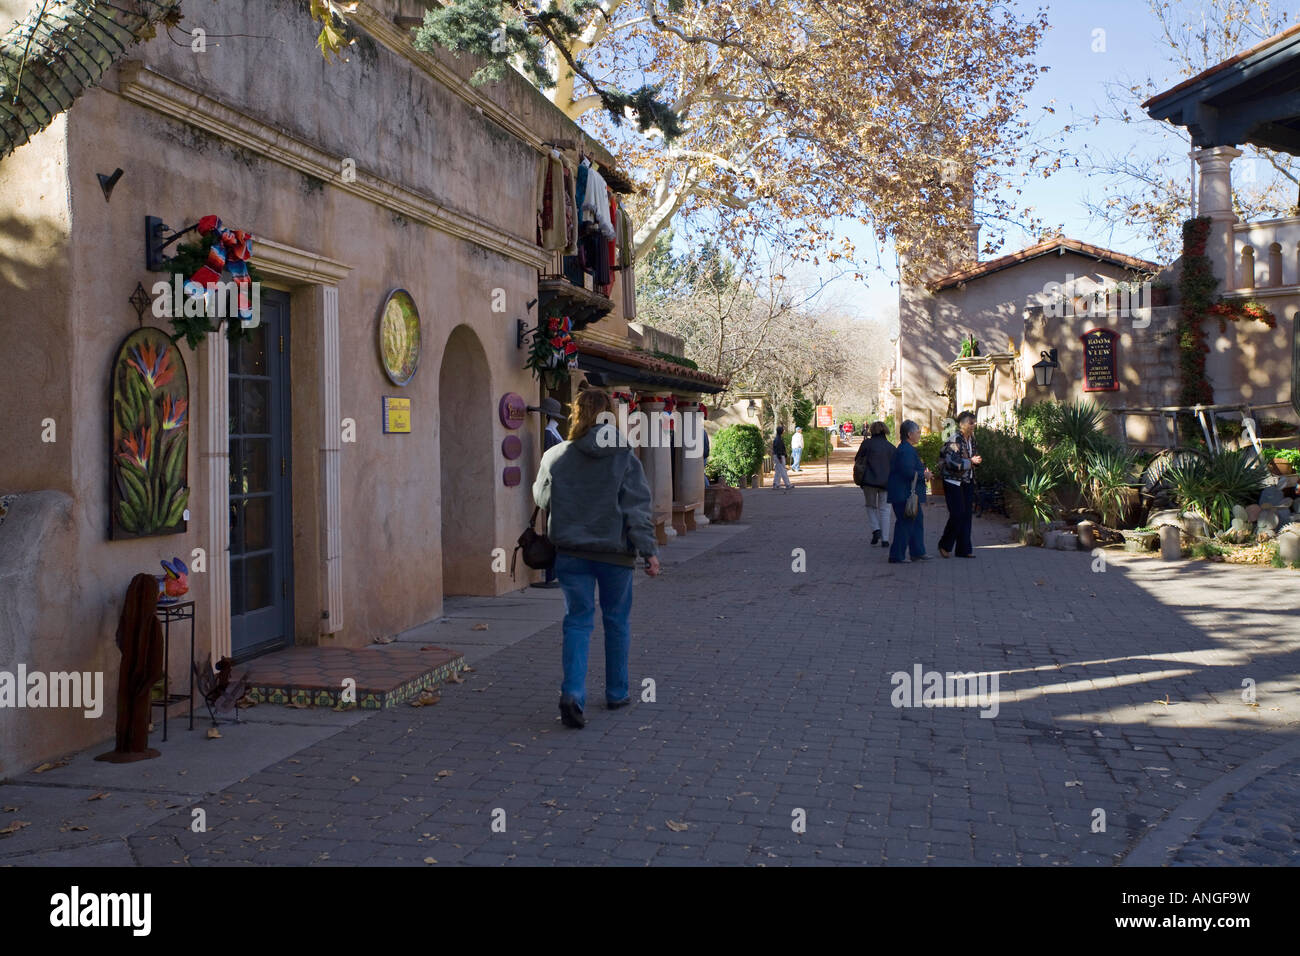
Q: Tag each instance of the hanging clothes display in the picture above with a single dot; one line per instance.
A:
(553, 214)
(570, 209)
(594, 203)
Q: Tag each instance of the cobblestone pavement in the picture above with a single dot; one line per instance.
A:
(1119, 697)
(1259, 825)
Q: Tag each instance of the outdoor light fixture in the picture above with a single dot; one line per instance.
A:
(751, 409)
(156, 241)
(1043, 369)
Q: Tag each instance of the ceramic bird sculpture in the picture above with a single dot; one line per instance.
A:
(177, 581)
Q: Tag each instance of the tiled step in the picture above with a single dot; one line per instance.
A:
(314, 676)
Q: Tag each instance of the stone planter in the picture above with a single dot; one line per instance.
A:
(1141, 540)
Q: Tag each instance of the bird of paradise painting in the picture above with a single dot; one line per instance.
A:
(149, 464)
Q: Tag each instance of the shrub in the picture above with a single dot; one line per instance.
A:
(1006, 456)
(1032, 421)
(814, 444)
(929, 447)
(736, 452)
(1072, 433)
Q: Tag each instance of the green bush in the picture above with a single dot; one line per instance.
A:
(1006, 456)
(814, 444)
(803, 410)
(735, 453)
(929, 448)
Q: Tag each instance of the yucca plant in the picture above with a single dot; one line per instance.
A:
(1073, 433)
(1211, 485)
(1037, 491)
(1110, 474)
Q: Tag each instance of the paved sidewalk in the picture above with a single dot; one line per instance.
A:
(772, 738)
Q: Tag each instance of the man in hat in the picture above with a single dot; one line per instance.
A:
(553, 412)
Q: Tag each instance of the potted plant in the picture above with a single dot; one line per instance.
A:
(1282, 461)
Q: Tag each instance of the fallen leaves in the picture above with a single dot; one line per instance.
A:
(355, 779)
(443, 773)
(214, 734)
(76, 829)
(14, 827)
(429, 859)
(385, 640)
(427, 698)
(54, 765)
(479, 627)
(677, 826)
(98, 796)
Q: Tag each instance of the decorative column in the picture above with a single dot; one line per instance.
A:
(330, 461)
(216, 469)
(1216, 203)
(689, 450)
(656, 458)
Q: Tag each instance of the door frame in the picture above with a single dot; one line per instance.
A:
(312, 281)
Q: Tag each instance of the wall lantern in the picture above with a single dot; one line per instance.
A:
(1043, 369)
(751, 409)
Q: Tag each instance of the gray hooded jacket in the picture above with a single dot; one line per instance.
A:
(597, 498)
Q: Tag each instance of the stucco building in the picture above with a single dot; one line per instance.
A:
(320, 512)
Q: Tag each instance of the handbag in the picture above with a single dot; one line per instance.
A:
(539, 552)
(913, 506)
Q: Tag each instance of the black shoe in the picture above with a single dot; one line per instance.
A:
(616, 704)
(875, 537)
(571, 713)
(545, 584)
(884, 544)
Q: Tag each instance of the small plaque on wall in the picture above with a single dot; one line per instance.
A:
(511, 476)
(397, 416)
(1099, 361)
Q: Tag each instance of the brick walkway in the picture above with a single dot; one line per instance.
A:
(1120, 693)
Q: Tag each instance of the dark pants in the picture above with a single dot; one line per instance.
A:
(909, 533)
(961, 507)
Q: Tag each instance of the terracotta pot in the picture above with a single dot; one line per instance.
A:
(1280, 467)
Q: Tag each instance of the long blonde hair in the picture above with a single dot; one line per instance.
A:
(584, 411)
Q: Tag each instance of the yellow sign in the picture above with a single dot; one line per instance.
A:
(397, 416)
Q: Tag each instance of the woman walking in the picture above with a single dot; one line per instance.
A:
(872, 463)
(958, 462)
(908, 474)
(599, 517)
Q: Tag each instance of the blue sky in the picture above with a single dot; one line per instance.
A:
(1075, 88)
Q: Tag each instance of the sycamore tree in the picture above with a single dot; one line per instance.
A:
(775, 118)
(754, 324)
(1150, 186)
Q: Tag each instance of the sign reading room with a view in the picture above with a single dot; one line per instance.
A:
(1099, 354)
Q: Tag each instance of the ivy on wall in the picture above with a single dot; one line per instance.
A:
(1196, 289)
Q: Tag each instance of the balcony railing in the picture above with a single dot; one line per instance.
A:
(1266, 255)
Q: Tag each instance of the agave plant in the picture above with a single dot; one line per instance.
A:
(1110, 474)
(1211, 485)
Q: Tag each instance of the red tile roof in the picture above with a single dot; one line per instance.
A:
(650, 362)
(1043, 248)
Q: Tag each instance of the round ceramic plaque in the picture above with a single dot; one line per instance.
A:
(399, 337)
(512, 410)
(511, 476)
(511, 447)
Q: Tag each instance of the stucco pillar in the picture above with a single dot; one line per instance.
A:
(1216, 203)
(689, 449)
(330, 463)
(656, 458)
(216, 468)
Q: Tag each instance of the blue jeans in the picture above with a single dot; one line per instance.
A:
(909, 533)
(798, 453)
(578, 580)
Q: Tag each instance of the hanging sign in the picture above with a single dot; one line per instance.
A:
(1099, 355)
(397, 416)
